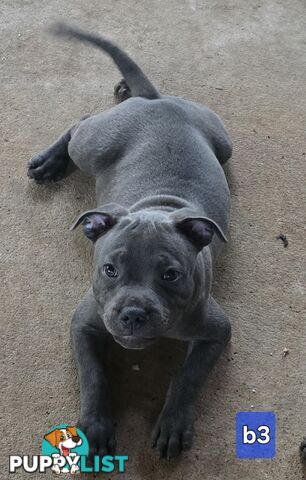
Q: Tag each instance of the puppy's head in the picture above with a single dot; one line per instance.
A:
(64, 439)
(147, 269)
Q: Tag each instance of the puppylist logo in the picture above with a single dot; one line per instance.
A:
(64, 450)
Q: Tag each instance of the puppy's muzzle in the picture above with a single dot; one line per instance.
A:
(133, 319)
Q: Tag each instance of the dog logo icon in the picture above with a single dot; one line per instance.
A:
(64, 444)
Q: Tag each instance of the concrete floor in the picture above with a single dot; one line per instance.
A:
(246, 60)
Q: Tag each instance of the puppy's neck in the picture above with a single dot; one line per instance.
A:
(165, 203)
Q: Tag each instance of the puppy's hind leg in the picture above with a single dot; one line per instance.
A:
(122, 91)
(51, 165)
(54, 163)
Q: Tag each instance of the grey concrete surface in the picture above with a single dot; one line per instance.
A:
(246, 60)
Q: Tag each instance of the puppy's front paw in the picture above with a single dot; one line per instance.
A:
(173, 433)
(100, 435)
(56, 469)
(74, 469)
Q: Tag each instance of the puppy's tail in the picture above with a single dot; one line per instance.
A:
(137, 81)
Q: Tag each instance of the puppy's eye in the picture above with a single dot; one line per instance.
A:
(110, 270)
(171, 275)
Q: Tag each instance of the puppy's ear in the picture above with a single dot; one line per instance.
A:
(52, 438)
(197, 229)
(73, 431)
(99, 221)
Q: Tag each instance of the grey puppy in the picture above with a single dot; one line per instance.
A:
(162, 215)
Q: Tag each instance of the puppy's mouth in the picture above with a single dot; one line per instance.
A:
(65, 451)
(134, 343)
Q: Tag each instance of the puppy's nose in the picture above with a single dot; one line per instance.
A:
(133, 317)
